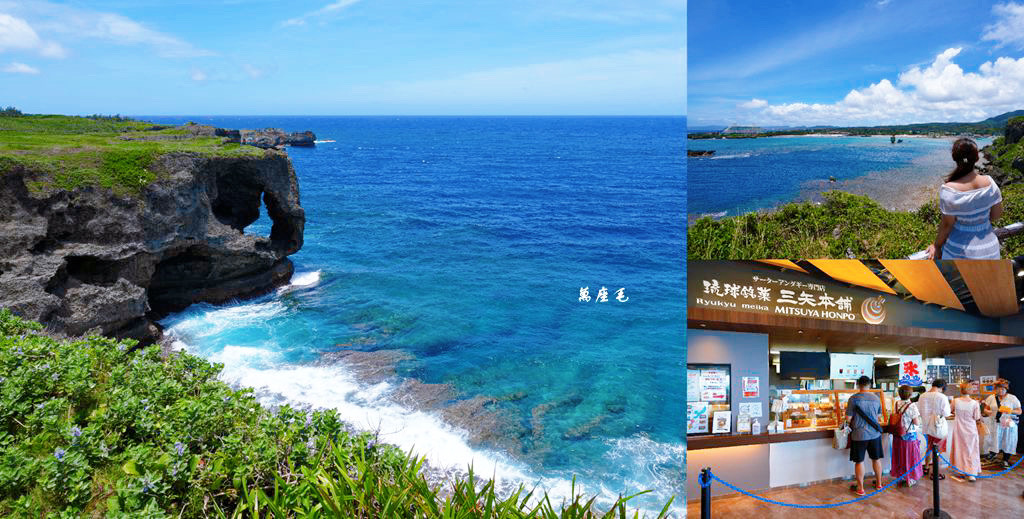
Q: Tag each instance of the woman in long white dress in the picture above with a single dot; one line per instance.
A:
(965, 454)
(969, 203)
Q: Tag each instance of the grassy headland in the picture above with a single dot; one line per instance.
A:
(110, 152)
(94, 427)
(853, 226)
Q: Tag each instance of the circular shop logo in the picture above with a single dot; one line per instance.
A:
(873, 309)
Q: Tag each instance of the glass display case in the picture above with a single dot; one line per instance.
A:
(843, 396)
(805, 410)
(816, 410)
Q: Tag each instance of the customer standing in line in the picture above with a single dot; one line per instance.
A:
(906, 449)
(862, 412)
(1006, 409)
(934, 406)
(965, 454)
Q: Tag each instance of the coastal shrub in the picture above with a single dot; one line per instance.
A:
(844, 225)
(96, 427)
(10, 111)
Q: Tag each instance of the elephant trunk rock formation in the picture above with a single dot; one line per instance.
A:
(87, 259)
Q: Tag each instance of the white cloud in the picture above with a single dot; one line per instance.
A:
(754, 103)
(1009, 30)
(17, 35)
(20, 68)
(253, 72)
(942, 91)
(329, 8)
(72, 23)
(198, 75)
(883, 3)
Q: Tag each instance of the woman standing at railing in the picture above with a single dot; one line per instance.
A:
(969, 203)
(966, 413)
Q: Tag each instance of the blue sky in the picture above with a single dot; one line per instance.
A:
(357, 57)
(858, 62)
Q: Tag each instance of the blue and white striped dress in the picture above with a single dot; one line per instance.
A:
(972, 236)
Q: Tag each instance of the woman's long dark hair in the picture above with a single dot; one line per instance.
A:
(965, 154)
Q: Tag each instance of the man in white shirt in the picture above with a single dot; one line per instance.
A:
(934, 406)
(1006, 410)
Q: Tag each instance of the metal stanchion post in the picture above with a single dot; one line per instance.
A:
(704, 479)
(935, 512)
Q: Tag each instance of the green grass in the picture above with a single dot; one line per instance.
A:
(844, 225)
(69, 152)
(94, 427)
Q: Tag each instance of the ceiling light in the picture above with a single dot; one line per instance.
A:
(1020, 273)
(799, 331)
(702, 325)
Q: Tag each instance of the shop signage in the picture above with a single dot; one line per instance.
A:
(714, 384)
(692, 385)
(775, 295)
(751, 409)
(911, 370)
(988, 379)
(696, 417)
(722, 422)
(851, 365)
(751, 387)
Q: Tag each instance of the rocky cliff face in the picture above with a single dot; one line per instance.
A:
(85, 259)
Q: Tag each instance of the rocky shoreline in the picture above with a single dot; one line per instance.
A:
(89, 260)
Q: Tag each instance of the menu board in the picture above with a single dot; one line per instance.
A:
(692, 385)
(851, 366)
(951, 373)
(697, 417)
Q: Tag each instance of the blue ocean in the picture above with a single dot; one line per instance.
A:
(751, 174)
(450, 253)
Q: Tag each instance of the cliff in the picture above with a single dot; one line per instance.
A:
(78, 255)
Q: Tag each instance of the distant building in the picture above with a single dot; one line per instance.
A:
(743, 129)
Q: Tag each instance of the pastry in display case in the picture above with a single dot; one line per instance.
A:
(808, 410)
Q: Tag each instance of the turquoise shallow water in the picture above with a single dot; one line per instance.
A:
(751, 174)
(463, 243)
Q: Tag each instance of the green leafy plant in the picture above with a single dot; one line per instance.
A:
(95, 427)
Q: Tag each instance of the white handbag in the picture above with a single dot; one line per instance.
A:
(842, 438)
(940, 429)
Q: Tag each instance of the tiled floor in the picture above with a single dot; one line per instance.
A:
(999, 497)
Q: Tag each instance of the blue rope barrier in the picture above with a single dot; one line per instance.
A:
(981, 476)
(830, 505)
(701, 482)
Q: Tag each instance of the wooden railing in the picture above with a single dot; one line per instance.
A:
(1001, 232)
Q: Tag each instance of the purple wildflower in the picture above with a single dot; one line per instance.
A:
(59, 454)
(309, 420)
(180, 447)
(76, 431)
